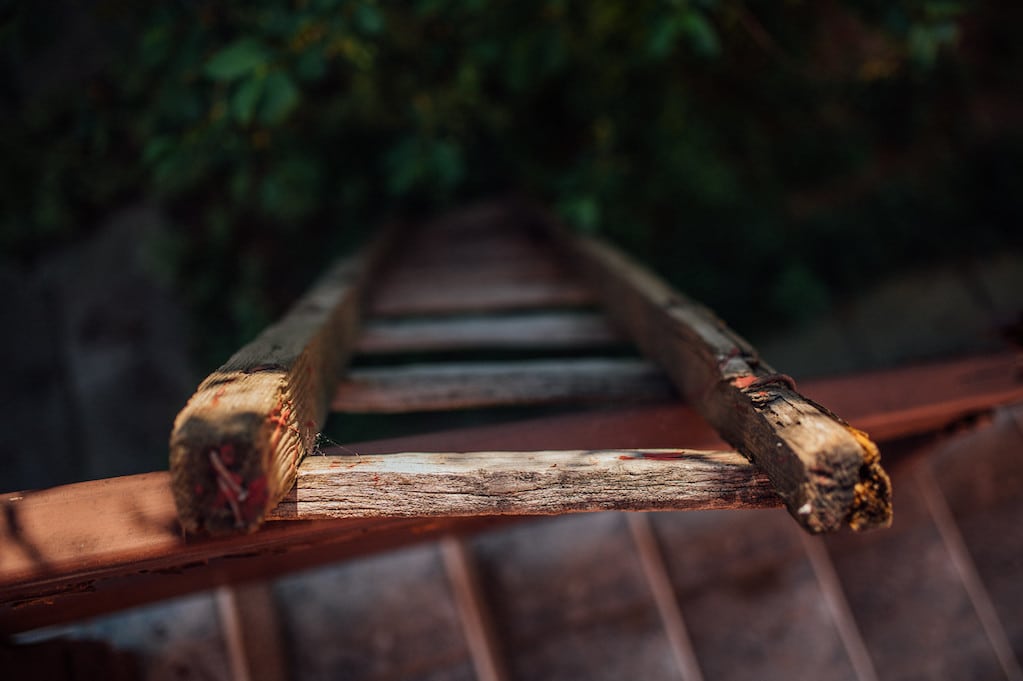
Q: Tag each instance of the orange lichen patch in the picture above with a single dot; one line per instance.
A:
(872, 495)
(872, 454)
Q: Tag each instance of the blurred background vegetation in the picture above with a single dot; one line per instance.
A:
(767, 157)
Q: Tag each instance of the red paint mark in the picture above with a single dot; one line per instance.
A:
(743, 382)
(335, 464)
(279, 417)
(662, 456)
(217, 395)
(246, 505)
(246, 501)
(255, 502)
(227, 454)
(376, 479)
(771, 379)
(653, 456)
(749, 381)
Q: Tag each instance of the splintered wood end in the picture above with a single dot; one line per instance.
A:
(872, 500)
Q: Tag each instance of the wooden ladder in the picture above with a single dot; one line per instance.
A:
(504, 277)
(500, 277)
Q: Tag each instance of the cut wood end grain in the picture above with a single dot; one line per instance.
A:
(223, 449)
(828, 472)
(236, 446)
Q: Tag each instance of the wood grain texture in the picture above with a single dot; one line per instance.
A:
(469, 385)
(522, 483)
(747, 587)
(478, 626)
(828, 473)
(420, 299)
(651, 557)
(980, 477)
(525, 331)
(911, 400)
(236, 445)
(250, 623)
(78, 550)
(74, 551)
(386, 618)
(570, 601)
(910, 565)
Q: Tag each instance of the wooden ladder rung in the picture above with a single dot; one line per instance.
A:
(238, 444)
(424, 272)
(421, 484)
(453, 251)
(423, 298)
(78, 550)
(524, 331)
(469, 385)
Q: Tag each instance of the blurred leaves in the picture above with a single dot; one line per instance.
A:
(736, 145)
(240, 58)
(280, 97)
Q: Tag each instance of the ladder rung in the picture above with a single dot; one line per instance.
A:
(414, 484)
(419, 274)
(540, 330)
(423, 298)
(449, 386)
(493, 249)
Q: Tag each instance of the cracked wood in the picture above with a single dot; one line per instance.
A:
(237, 444)
(523, 483)
(828, 473)
(467, 385)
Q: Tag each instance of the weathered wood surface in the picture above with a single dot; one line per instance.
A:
(973, 486)
(918, 399)
(912, 566)
(415, 274)
(522, 483)
(932, 399)
(236, 445)
(387, 618)
(250, 623)
(420, 298)
(526, 331)
(496, 267)
(478, 626)
(500, 247)
(748, 588)
(570, 601)
(465, 385)
(828, 473)
(74, 551)
(655, 569)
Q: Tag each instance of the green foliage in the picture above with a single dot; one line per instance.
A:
(243, 57)
(744, 148)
